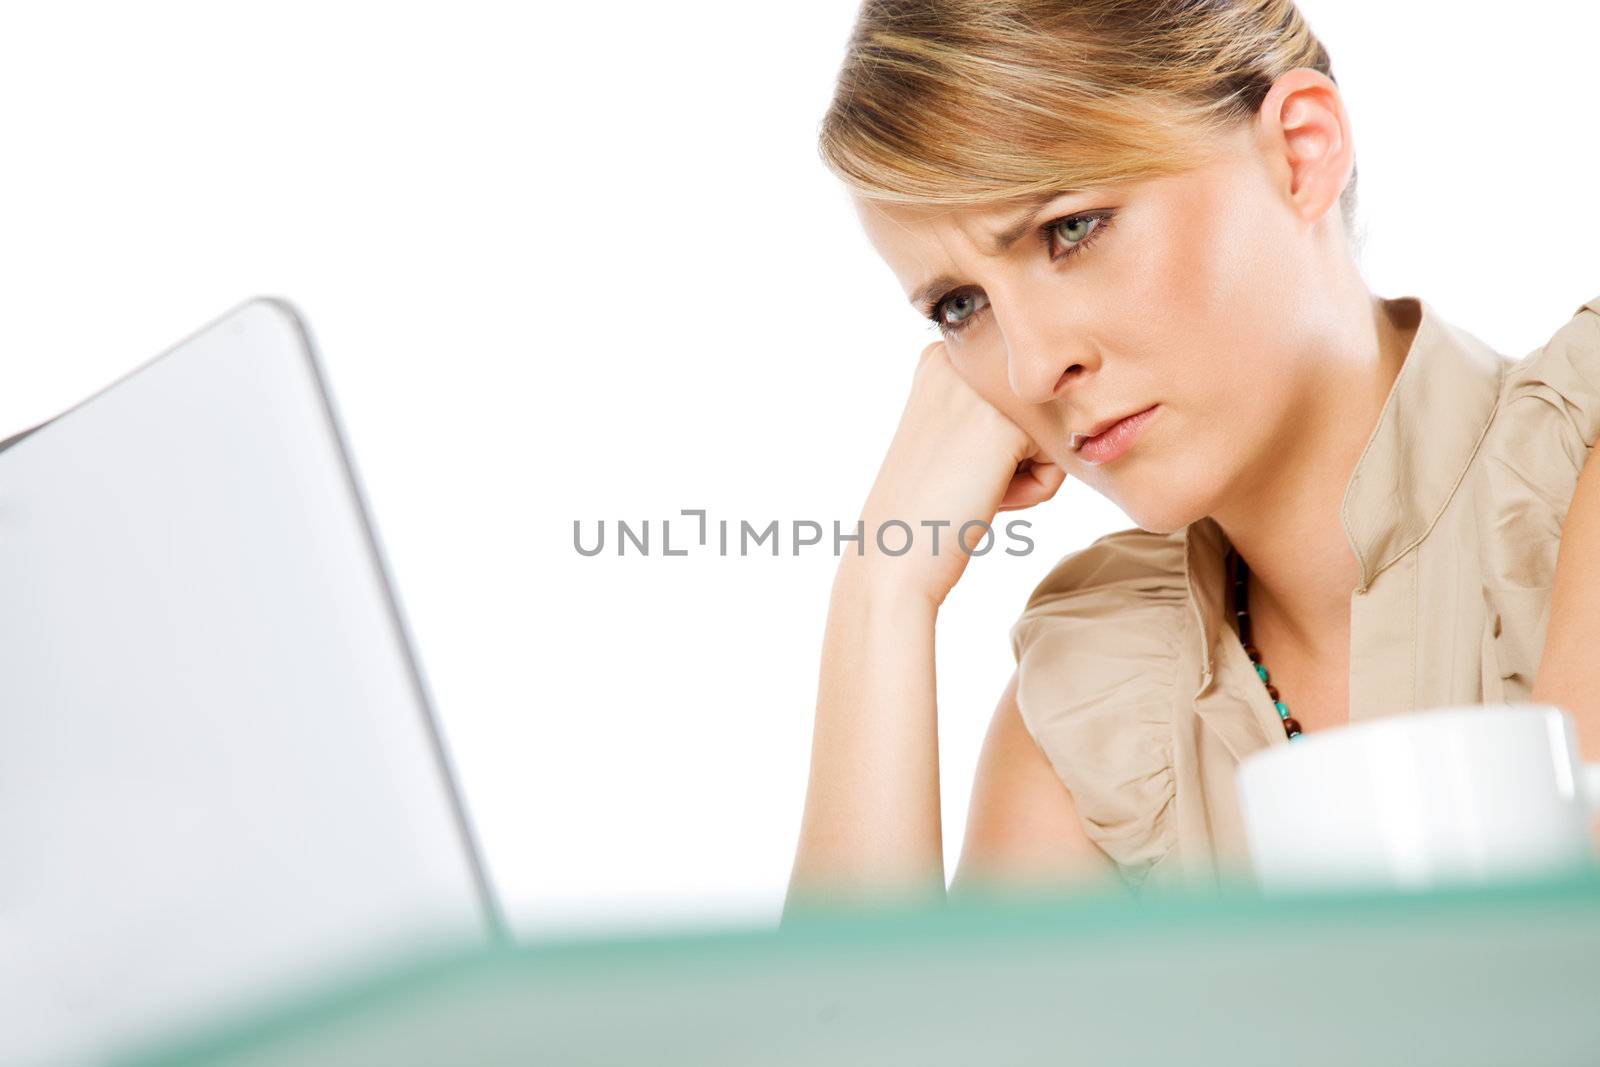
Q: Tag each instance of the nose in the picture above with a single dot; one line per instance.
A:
(1042, 356)
(1035, 379)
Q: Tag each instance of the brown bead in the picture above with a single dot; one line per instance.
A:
(1253, 653)
(1290, 726)
(1272, 691)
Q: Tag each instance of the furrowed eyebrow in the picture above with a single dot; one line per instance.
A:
(922, 299)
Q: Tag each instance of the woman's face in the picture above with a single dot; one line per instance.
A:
(1193, 293)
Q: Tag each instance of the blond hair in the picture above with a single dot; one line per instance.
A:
(972, 101)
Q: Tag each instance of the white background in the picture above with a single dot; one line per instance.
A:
(581, 262)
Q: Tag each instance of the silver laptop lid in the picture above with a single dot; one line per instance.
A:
(219, 772)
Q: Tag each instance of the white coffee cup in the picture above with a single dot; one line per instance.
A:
(1466, 794)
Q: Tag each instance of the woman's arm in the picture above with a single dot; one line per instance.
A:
(1569, 668)
(1023, 830)
(871, 825)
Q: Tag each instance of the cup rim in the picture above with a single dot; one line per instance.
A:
(1419, 719)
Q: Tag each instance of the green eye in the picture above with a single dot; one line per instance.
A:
(1075, 228)
(958, 308)
(950, 314)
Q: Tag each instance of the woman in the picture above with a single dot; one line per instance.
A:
(1130, 221)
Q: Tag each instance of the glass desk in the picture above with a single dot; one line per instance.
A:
(1501, 975)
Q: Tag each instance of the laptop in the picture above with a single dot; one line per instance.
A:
(221, 777)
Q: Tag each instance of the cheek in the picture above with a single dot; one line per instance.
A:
(1195, 316)
(1216, 261)
(1196, 277)
(1215, 305)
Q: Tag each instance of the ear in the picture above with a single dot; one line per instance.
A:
(1305, 132)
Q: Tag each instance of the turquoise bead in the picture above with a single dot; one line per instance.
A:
(1261, 671)
(1283, 710)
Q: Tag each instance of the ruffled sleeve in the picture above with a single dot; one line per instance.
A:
(1097, 653)
(1548, 421)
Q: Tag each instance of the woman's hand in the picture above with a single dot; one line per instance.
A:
(954, 459)
(872, 820)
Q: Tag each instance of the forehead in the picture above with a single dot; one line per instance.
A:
(899, 224)
(920, 240)
(914, 239)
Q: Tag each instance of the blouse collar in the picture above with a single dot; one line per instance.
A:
(1436, 413)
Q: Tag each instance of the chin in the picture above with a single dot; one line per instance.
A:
(1165, 508)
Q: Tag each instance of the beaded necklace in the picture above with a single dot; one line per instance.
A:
(1241, 609)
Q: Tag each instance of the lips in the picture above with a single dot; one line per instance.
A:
(1102, 426)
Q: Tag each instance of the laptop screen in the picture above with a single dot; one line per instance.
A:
(220, 775)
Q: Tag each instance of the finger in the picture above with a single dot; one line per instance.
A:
(1033, 485)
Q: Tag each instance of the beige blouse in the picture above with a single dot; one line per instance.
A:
(1131, 677)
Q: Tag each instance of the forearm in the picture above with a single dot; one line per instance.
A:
(871, 826)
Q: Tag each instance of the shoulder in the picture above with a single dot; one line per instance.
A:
(1547, 421)
(1554, 391)
(1534, 451)
(1097, 648)
(1124, 581)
